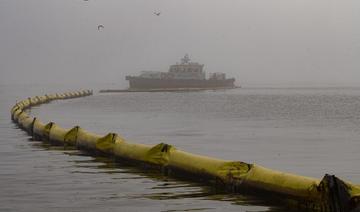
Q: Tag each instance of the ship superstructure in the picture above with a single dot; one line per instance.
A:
(185, 74)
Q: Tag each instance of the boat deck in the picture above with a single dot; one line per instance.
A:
(162, 90)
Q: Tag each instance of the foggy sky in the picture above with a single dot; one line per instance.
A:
(293, 42)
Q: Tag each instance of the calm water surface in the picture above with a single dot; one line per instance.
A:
(307, 131)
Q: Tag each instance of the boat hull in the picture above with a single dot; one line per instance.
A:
(148, 83)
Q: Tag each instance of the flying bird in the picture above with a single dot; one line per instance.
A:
(100, 26)
(157, 13)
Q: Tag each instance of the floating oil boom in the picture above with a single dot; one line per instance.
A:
(330, 194)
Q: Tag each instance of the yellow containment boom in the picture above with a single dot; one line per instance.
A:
(328, 194)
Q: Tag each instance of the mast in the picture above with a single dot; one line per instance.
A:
(185, 59)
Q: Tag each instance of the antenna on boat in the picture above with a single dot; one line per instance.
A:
(185, 59)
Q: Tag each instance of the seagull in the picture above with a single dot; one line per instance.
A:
(157, 13)
(100, 26)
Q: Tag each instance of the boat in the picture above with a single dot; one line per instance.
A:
(183, 75)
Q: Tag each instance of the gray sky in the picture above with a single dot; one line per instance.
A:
(291, 42)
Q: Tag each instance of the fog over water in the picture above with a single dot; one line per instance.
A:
(276, 42)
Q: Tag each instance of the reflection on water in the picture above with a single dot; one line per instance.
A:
(167, 188)
(161, 187)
